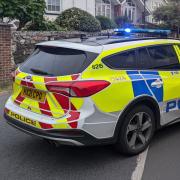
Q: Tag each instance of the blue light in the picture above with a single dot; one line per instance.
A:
(139, 30)
(116, 30)
(127, 30)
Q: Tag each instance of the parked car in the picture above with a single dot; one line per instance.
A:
(102, 91)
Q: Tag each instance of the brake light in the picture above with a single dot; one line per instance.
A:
(78, 88)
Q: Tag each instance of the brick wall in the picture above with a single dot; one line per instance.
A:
(5, 54)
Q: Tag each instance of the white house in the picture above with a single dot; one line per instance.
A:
(111, 8)
(153, 5)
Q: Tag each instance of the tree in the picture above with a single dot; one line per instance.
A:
(22, 10)
(169, 14)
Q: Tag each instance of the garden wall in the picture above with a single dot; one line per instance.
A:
(23, 43)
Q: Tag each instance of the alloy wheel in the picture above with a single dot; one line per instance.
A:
(139, 130)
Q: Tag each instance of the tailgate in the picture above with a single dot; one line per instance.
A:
(30, 92)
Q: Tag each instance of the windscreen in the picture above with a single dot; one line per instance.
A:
(57, 61)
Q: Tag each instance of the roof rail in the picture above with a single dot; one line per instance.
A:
(83, 37)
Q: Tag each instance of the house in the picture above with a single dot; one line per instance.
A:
(153, 5)
(133, 9)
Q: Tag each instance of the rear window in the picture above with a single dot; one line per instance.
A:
(56, 61)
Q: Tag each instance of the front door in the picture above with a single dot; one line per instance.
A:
(164, 79)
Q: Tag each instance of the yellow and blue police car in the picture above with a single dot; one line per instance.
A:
(100, 91)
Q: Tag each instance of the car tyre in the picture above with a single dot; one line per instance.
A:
(136, 131)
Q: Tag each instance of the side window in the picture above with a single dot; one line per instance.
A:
(143, 59)
(163, 56)
(124, 60)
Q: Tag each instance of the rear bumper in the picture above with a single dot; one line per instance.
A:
(67, 137)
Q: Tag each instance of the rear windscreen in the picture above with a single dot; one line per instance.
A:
(56, 61)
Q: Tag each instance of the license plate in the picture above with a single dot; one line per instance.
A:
(34, 94)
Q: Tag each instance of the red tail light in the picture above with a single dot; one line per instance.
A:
(78, 88)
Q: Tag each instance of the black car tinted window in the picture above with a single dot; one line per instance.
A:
(162, 56)
(55, 61)
(124, 60)
(143, 59)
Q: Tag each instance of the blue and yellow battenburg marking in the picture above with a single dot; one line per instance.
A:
(142, 84)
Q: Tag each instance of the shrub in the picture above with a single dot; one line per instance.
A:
(106, 23)
(44, 25)
(79, 20)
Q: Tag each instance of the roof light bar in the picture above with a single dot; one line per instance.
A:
(150, 31)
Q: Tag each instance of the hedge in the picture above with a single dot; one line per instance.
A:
(106, 23)
(79, 20)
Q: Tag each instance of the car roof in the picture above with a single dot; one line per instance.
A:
(72, 45)
(99, 44)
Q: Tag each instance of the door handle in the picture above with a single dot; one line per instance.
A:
(158, 83)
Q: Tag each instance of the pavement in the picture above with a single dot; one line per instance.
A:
(23, 157)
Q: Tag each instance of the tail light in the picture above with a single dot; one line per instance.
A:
(78, 88)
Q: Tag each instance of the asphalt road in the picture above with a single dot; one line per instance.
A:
(23, 157)
(163, 159)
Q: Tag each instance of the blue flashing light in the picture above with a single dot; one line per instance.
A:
(136, 30)
(127, 30)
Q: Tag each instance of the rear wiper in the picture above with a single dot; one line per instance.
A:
(38, 71)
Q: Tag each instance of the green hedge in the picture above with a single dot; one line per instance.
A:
(44, 25)
(79, 20)
(106, 23)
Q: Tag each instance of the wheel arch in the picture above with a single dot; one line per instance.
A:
(142, 100)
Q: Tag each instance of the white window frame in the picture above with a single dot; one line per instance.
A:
(103, 5)
(51, 11)
(132, 9)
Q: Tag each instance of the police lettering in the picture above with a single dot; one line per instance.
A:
(175, 104)
(23, 119)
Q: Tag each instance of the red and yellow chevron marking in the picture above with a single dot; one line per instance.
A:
(19, 99)
(55, 105)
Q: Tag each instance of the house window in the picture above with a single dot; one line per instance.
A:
(129, 10)
(103, 8)
(53, 6)
(155, 5)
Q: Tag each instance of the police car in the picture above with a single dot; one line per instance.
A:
(114, 90)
